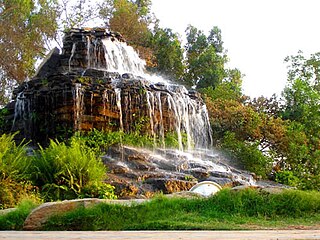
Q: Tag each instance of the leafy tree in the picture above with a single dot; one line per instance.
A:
(302, 105)
(301, 109)
(254, 137)
(270, 106)
(205, 60)
(25, 28)
(125, 18)
(144, 7)
(215, 39)
(168, 53)
(299, 67)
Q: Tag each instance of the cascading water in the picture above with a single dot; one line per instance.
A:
(119, 105)
(19, 109)
(122, 58)
(187, 115)
(22, 112)
(78, 105)
(190, 116)
(73, 50)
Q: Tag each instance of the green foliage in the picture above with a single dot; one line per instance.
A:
(13, 159)
(62, 172)
(12, 192)
(98, 189)
(14, 178)
(100, 141)
(248, 154)
(84, 80)
(225, 210)
(126, 19)
(14, 220)
(302, 110)
(169, 53)
(205, 58)
(25, 25)
(287, 178)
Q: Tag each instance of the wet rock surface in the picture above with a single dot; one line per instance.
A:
(140, 173)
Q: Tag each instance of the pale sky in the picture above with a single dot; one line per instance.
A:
(258, 34)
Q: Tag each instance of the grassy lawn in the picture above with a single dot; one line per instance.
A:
(228, 210)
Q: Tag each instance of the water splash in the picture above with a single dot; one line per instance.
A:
(122, 58)
(203, 164)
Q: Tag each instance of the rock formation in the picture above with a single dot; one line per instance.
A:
(99, 82)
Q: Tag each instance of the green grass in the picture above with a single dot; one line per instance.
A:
(14, 220)
(247, 209)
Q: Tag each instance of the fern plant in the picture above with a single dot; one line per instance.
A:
(63, 172)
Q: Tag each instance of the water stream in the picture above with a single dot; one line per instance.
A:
(190, 116)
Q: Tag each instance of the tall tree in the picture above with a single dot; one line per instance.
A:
(205, 59)
(302, 109)
(168, 53)
(25, 26)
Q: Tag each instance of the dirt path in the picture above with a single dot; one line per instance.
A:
(262, 234)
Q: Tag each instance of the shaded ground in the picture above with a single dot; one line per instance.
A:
(264, 234)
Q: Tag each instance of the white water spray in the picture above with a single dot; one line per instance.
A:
(122, 58)
(189, 116)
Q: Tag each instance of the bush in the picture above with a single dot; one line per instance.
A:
(13, 159)
(287, 178)
(98, 189)
(63, 172)
(13, 192)
(14, 184)
(248, 154)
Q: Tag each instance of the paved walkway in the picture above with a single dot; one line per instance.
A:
(265, 234)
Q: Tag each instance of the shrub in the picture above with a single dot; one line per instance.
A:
(14, 184)
(13, 192)
(287, 177)
(100, 190)
(248, 154)
(13, 159)
(63, 172)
